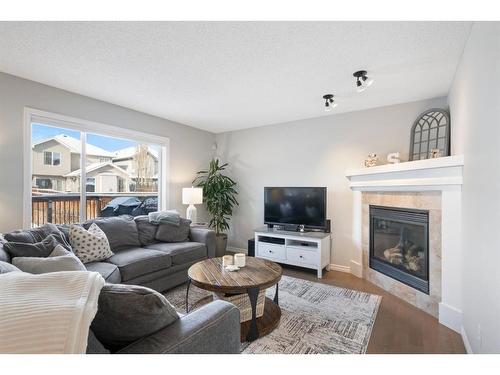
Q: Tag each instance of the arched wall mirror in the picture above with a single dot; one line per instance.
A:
(430, 131)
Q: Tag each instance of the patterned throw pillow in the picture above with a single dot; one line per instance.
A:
(89, 245)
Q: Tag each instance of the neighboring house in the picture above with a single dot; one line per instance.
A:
(56, 166)
(101, 177)
(141, 163)
(58, 156)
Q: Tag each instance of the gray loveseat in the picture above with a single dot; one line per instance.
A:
(141, 259)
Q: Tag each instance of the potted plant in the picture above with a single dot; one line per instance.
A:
(219, 196)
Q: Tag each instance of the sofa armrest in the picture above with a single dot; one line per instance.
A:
(212, 329)
(206, 236)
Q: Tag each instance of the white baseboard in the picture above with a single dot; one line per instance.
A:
(450, 316)
(338, 267)
(356, 268)
(233, 249)
(468, 348)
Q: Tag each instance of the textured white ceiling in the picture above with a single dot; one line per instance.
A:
(222, 76)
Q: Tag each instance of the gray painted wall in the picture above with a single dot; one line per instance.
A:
(190, 148)
(314, 152)
(474, 102)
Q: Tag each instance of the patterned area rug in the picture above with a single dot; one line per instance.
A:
(316, 318)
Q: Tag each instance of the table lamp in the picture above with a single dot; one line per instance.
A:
(192, 196)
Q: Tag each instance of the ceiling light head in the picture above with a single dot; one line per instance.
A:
(329, 102)
(362, 80)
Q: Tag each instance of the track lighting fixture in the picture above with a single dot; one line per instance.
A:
(362, 80)
(329, 102)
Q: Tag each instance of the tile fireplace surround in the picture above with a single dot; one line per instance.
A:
(434, 185)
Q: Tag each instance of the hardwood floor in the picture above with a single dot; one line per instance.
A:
(399, 327)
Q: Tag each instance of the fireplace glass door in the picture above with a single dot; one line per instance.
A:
(399, 245)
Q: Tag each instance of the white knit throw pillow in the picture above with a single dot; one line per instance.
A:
(89, 245)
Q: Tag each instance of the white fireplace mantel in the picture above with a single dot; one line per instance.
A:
(420, 175)
(441, 174)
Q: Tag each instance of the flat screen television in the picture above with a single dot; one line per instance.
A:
(295, 206)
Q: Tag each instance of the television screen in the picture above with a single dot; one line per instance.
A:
(295, 205)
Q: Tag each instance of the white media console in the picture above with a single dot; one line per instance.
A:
(307, 249)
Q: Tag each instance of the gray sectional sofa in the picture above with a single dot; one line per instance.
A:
(140, 258)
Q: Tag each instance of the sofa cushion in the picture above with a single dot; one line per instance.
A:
(164, 279)
(59, 260)
(89, 245)
(38, 249)
(94, 346)
(108, 271)
(121, 230)
(7, 267)
(182, 252)
(127, 313)
(137, 261)
(147, 230)
(168, 232)
(31, 235)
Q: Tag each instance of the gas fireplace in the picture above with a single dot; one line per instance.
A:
(399, 245)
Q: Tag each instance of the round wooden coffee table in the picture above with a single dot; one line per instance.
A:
(258, 274)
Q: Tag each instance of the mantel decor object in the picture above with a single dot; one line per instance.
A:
(430, 132)
(435, 153)
(371, 160)
(393, 158)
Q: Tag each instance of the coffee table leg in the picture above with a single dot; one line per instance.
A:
(253, 333)
(187, 295)
(276, 295)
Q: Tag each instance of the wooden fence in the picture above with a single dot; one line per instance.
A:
(65, 208)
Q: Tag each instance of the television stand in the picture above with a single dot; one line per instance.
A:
(304, 249)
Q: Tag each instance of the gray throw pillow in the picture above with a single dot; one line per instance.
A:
(39, 249)
(64, 229)
(127, 313)
(32, 235)
(173, 233)
(121, 231)
(59, 260)
(147, 230)
(7, 267)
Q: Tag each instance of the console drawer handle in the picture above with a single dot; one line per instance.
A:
(300, 256)
(271, 251)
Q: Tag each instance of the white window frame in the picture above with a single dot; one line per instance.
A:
(32, 115)
(51, 157)
(90, 183)
(42, 178)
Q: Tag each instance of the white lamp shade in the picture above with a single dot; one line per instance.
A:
(192, 195)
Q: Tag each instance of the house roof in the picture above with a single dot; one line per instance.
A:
(129, 152)
(96, 166)
(73, 145)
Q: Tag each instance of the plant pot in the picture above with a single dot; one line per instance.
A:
(220, 244)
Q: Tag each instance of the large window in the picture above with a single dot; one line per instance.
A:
(78, 173)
